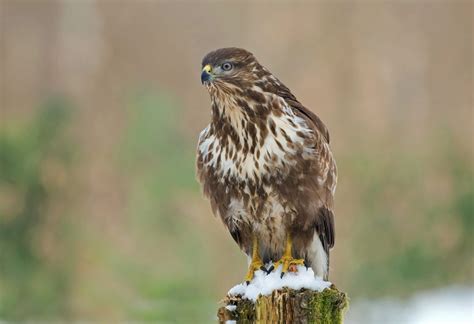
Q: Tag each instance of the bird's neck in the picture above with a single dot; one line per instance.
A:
(228, 117)
(250, 106)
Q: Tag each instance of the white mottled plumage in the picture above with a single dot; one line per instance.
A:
(269, 148)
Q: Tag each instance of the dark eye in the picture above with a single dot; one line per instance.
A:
(227, 66)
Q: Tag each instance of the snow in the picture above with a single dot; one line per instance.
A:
(453, 304)
(231, 307)
(230, 322)
(263, 284)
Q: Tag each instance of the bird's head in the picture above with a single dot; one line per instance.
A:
(230, 68)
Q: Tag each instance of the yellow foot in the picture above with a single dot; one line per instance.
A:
(254, 266)
(289, 264)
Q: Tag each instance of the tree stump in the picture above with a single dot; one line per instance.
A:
(286, 306)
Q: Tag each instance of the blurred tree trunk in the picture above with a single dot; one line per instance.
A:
(287, 306)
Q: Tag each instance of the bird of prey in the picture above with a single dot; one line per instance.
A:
(265, 164)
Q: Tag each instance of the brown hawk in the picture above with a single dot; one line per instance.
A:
(265, 164)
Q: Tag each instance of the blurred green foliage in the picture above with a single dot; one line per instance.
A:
(411, 234)
(30, 283)
(160, 163)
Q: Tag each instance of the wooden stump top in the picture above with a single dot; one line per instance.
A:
(286, 306)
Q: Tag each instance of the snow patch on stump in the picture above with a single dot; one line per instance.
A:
(263, 284)
(231, 307)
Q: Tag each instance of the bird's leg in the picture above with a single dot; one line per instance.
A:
(289, 263)
(256, 263)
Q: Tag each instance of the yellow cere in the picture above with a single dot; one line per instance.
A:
(207, 68)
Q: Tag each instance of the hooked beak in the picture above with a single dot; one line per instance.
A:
(206, 74)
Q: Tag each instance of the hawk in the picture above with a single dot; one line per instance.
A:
(265, 164)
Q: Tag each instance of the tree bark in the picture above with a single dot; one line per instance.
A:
(287, 306)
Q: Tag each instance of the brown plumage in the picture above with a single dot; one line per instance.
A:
(265, 163)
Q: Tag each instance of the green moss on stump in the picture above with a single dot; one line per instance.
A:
(288, 306)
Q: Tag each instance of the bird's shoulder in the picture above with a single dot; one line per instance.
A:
(313, 121)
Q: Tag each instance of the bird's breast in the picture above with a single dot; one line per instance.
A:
(255, 150)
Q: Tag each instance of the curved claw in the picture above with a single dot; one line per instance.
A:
(272, 267)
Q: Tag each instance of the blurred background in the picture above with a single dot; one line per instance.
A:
(101, 217)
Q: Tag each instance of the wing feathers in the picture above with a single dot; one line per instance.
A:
(325, 228)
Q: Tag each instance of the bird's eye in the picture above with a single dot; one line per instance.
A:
(227, 66)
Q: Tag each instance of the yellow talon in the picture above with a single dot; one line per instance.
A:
(287, 261)
(256, 263)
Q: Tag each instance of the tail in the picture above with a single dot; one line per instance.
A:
(317, 257)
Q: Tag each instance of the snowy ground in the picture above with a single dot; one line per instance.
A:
(441, 306)
(263, 284)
